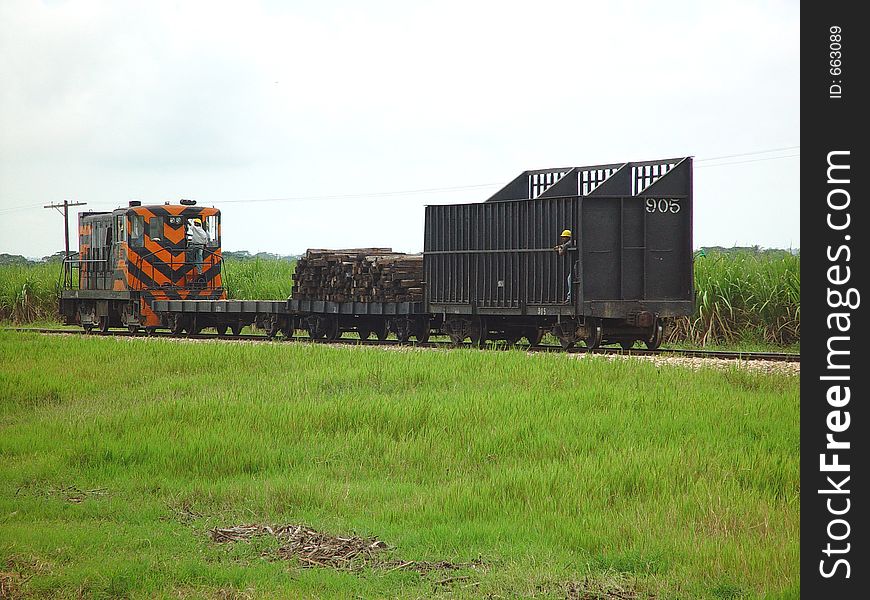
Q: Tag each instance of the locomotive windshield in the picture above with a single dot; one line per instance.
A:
(137, 230)
(209, 224)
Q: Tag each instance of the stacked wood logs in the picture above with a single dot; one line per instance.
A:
(359, 275)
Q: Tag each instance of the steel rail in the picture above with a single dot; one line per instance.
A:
(683, 352)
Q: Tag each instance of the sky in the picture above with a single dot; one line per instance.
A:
(332, 124)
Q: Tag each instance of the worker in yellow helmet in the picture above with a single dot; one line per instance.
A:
(197, 238)
(564, 242)
(566, 245)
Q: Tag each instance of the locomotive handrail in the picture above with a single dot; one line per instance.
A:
(173, 264)
(142, 257)
(68, 264)
(65, 277)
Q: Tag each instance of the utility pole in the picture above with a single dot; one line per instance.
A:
(67, 271)
(66, 204)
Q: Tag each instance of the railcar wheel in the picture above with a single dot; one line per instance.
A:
(381, 330)
(134, 329)
(221, 329)
(176, 324)
(534, 335)
(363, 333)
(103, 324)
(626, 345)
(422, 330)
(150, 330)
(595, 335)
(236, 328)
(654, 341)
(333, 332)
(479, 333)
(88, 328)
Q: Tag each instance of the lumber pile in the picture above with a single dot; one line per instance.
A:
(359, 275)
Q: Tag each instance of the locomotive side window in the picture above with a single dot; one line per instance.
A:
(105, 235)
(137, 230)
(121, 229)
(155, 228)
(211, 227)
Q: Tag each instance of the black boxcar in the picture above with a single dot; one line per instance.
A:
(492, 270)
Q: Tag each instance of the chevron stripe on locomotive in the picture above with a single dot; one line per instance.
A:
(131, 257)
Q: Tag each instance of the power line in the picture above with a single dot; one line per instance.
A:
(460, 188)
(740, 162)
(17, 208)
(748, 153)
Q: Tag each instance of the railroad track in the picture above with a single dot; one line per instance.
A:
(683, 352)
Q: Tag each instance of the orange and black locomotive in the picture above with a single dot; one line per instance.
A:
(132, 256)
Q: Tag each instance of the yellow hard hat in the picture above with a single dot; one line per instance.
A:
(198, 221)
(566, 233)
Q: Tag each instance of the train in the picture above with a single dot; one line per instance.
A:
(593, 255)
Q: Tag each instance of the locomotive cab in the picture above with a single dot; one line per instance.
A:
(130, 257)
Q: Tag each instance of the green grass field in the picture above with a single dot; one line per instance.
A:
(562, 476)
